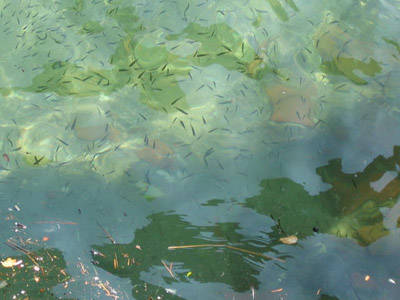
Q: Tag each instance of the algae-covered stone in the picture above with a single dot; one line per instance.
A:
(291, 104)
(342, 53)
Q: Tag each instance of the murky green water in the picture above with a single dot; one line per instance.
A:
(166, 149)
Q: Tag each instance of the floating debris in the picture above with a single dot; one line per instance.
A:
(10, 262)
(289, 240)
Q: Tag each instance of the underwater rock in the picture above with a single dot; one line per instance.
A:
(156, 153)
(90, 124)
(291, 104)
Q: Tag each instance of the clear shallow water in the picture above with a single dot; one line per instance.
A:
(130, 127)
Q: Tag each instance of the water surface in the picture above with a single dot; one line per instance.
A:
(163, 149)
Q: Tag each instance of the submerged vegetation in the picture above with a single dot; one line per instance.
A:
(349, 208)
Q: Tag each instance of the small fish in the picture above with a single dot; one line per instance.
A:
(200, 87)
(144, 118)
(181, 110)
(226, 119)
(225, 102)
(207, 154)
(65, 143)
(354, 183)
(193, 132)
(176, 100)
(147, 177)
(204, 120)
(340, 86)
(227, 48)
(186, 9)
(173, 48)
(132, 63)
(37, 160)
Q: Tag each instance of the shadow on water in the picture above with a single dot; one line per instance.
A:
(327, 225)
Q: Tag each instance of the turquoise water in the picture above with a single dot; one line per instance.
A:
(199, 149)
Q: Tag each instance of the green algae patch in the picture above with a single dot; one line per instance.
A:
(79, 5)
(66, 79)
(348, 66)
(220, 44)
(154, 70)
(279, 10)
(126, 18)
(147, 252)
(292, 5)
(343, 54)
(393, 43)
(350, 208)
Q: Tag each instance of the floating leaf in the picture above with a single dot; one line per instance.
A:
(10, 262)
(289, 240)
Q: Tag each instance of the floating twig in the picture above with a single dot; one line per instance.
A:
(108, 235)
(56, 222)
(226, 246)
(169, 269)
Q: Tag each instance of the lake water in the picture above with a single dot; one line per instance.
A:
(200, 149)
